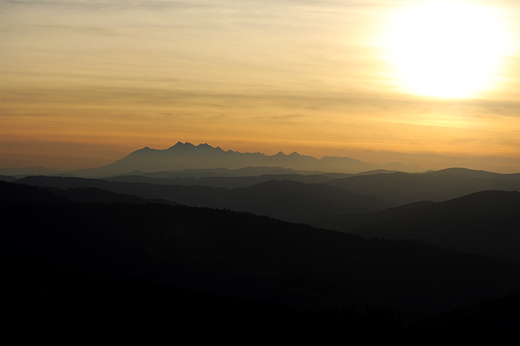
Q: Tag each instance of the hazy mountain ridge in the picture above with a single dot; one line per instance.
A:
(403, 188)
(13, 171)
(285, 200)
(203, 156)
(297, 198)
(223, 172)
(96, 195)
(219, 181)
(233, 178)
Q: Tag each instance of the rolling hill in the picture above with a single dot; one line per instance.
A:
(285, 200)
(436, 186)
(486, 222)
(241, 255)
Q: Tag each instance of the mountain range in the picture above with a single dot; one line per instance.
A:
(216, 237)
(186, 156)
(204, 156)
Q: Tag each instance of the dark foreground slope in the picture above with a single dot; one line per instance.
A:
(242, 255)
(350, 222)
(486, 222)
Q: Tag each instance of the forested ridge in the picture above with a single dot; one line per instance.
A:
(239, 257)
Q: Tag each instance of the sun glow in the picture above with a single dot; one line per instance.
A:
(447, 49)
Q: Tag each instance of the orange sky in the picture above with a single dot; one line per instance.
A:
(84, 83)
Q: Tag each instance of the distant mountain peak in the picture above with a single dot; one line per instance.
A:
(180, 145)
(206, 146)
(204, 156)
(190, 146)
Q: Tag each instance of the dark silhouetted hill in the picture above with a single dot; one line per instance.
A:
(226, 182)
(95, 195)
(437, 186)
(285, 200)
(497, 317)
(486, 223)
(349, 222)
(19, 193)
(8, 178)
(242, 255)
(226, 173)
(20, 172)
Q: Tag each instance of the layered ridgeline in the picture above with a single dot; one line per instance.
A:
(232, 254)
(397, 187)
(486, 223)
(285, 200)
(437, 186)
(203, 156)
(126, 248)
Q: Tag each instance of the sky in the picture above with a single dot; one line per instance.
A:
(433, 84)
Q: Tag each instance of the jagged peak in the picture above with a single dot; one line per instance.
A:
(188, 145)
(280, 153)
(182, 145)
(207, 146)
(145, 149)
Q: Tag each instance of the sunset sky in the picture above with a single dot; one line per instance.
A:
(434, 84)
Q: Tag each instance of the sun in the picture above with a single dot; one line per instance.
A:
(446, 49)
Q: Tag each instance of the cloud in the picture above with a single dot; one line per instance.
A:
(109, 4)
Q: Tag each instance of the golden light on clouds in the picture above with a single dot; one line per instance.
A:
(447, 49)
(374, 80)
